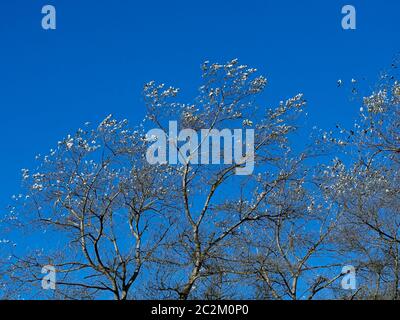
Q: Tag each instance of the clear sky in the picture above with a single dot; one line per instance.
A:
(103, 51)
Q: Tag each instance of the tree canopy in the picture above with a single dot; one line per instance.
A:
(115, 226)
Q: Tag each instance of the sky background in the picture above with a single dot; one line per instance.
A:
(96, 62)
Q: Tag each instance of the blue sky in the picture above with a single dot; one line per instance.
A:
(102, 53)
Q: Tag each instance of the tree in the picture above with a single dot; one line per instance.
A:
(367, 189)
(97, 196)
(119, 215)
(215, 205)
